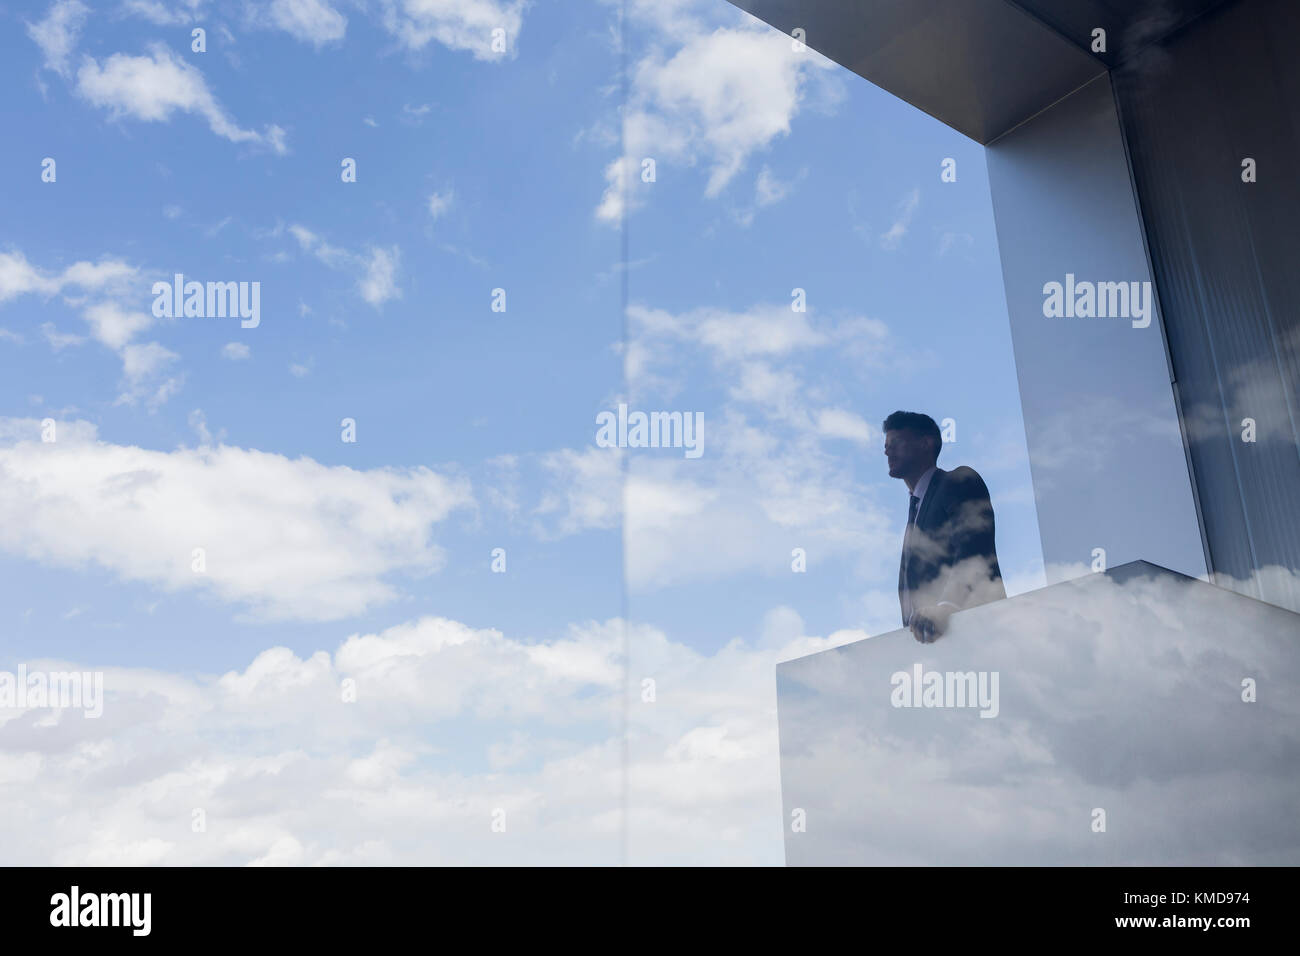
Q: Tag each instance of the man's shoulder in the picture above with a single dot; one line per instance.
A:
(964, 480)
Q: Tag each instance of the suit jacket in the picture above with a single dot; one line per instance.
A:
(953, 556)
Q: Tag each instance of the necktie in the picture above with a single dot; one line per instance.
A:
(912, 506)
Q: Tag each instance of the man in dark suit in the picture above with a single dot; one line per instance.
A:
(949, 560)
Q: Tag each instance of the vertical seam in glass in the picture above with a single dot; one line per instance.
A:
(623, 453)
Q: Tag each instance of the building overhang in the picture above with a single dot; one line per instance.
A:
(982, 67)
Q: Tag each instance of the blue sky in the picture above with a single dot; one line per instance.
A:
(476, 169)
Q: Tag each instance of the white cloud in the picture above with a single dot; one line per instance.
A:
(216, 227)
(151, 88)
(1089, 432)
(841, 423)
(60, 340)
(1146, 663)
(108, 275)
(235, 351)
(768, 189)
(673, 19)
(760, 489)
(199, 422)
(377, 266)
(951, 240)
(18, 276)
(169, 13)
(757, 499)
(288, 538)
(306, 238)
(140, 362)
(439, 203)
(379, 284)
(586, 489)
(57, 34)
(103, 288)
(773, 475)
(456, 24)
(113, 325)
(762, 330)
(906, 209)
(450, 724)
(313, 21)
(721, 96)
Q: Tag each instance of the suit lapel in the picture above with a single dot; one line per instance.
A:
(909, 561)
(932, 493)
(907, 580)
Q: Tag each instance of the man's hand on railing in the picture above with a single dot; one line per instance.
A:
(929, 623)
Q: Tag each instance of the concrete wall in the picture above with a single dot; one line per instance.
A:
(1106, 451)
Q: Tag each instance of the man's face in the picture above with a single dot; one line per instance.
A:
(907, 453)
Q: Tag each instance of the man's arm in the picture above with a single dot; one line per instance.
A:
(972, 553)
(969, 559)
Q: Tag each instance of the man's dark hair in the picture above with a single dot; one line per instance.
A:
(918, 423)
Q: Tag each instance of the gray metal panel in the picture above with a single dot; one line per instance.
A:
(1129, 24)
(980, 66)
(1101, 425)
(1225, 255)
(1117, 692)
